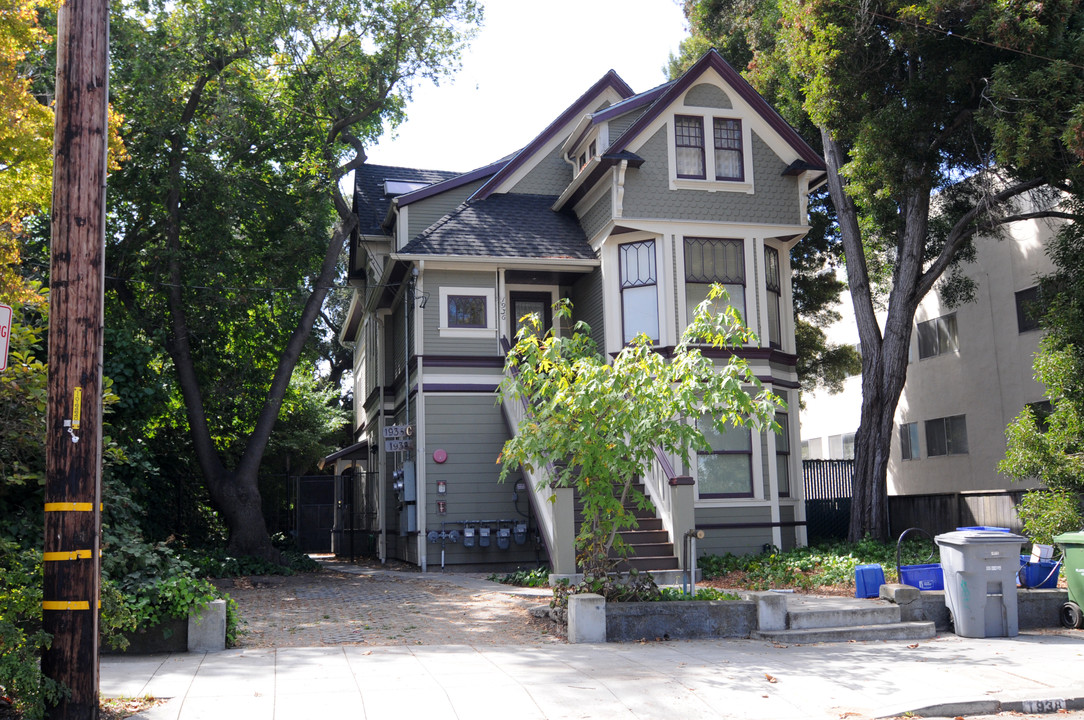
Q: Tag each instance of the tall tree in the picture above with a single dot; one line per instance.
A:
(940, 121)
(230, 222)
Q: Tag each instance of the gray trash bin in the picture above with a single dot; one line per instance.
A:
(980, 581)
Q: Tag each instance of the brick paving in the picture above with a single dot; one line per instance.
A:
(354, 605)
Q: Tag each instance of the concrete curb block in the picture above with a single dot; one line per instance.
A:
(1031, 706)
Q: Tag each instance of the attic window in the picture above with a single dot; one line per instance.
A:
(710, 152)
(395, 188)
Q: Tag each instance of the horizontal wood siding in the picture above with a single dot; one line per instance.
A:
(424, 213)
(472, 431)
(735, 540)
(789, 533)
(434, 343)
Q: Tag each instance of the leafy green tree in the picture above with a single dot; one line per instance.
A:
(604, 420)
(229, 223)
(974, 104)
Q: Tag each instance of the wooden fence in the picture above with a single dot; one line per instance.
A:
(827, 498)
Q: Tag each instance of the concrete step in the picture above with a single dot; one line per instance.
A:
(894, 631)
(835, 617)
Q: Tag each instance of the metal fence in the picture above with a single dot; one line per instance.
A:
(828, 487)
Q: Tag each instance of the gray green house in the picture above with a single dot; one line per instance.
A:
(629, 204)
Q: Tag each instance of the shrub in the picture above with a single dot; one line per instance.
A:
(539, 577)
(1046, 513)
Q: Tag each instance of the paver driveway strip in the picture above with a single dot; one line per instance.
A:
(356, 605)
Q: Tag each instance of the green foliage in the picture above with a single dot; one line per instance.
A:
(630, 587)
(603, 420)
(218, 563)
(539, 577)
(21, 635)
(702, 593)
(1046, 513)
(811, 567)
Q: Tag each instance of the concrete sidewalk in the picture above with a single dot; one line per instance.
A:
(946, 676)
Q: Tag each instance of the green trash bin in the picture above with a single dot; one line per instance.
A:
(1072, 546)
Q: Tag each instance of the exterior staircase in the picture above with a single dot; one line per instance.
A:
(816, 619)
(652, 549)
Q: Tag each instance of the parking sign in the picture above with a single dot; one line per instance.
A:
(5, 335)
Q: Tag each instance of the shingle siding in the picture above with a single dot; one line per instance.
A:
(597, 216)
(619, 125)
(707, 95)
(549, 177)
(648, 194)
(587, 304)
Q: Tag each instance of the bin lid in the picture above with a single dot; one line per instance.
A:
(1070, 538)
(970, 537)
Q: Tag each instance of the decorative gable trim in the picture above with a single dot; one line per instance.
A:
(713, 60)
(610, 81)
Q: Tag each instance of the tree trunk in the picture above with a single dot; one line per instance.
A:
(238, 498)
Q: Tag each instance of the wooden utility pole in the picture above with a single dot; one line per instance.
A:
(74, 431)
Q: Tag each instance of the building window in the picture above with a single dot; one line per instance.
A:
(805, 450)
(848, 446)
(946, 436)
(689, 141)
(937, 336)
(467, 312)
(782, 454)
(639, 291)
(771, 278)
(729, 161)
(909, 441)
(1028, 311)
(711, 260)
(726, 470)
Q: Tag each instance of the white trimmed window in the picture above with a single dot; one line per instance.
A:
(728, 165)
(467, 312)
(714, 260)
(639, 290)
(725, 470)
(775, 288)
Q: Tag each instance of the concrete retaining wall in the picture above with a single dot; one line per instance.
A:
(626, 622)
(1035, 608)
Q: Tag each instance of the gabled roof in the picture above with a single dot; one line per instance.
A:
(713, 60)
(610, 80)
(371, 202)
(513, 225)
(452, 183)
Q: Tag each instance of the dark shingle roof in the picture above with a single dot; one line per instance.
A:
(371, 203)
(505, 225)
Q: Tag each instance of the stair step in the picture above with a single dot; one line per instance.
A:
(648, 550)
(807, 619)
(644, 536)
(893, 631)
(642, 523)
(643, 564)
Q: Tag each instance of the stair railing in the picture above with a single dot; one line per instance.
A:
(673, 496)
(553, 506)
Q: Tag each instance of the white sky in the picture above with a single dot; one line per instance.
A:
(528, 63)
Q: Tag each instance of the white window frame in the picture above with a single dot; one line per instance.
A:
(710, 183)
(489, 294)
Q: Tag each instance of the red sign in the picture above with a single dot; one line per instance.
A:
(5, 335)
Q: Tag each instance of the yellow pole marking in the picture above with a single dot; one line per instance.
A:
(77, 407)
(65, 605)
(70, 507)
(66, 555)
